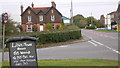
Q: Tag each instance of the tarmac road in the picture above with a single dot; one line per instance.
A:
(101, 46)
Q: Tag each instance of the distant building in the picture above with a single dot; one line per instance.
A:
(40, 16)
(108, 22)
(66, 20)
(113, 16)
(110, 19)
(102, 20)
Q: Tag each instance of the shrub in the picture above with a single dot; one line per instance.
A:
(35, 28)
(118, 28)
(57, 27)
(53, 37)
(49, 26)
(61, 26)
(70, 32)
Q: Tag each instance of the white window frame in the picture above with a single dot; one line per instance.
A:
(29, 18)
(41, 17)
(52, 11)
(29, 27)
(52, 17)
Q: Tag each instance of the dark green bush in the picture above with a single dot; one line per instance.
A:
(53, 37)
(70, 32)
(35, 28)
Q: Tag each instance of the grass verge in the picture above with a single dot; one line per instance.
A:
(74, 62)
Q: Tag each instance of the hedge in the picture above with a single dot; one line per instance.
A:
(53, 37)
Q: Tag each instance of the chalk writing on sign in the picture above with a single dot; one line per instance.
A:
(23, 53)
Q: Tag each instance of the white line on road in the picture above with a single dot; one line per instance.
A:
(105, 46)
(97, 42)
(92, 43)
(63, 46)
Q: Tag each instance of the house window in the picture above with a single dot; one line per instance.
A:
(29, 27)
(41, 17)
(29, 18)
(52, 18)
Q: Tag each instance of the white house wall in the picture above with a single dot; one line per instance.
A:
(108, 21)
(66, 21)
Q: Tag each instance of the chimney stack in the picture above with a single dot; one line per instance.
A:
(53, 4)
(32, 5)
(21, 7)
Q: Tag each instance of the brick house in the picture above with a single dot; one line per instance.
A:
(113, 16)
(40, 16)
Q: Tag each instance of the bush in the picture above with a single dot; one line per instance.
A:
(35, 28)
(53, 37)
(70, 32)
(118, 28)
(57, 27)
(49, 26)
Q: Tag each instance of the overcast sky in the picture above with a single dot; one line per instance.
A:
(84, 7)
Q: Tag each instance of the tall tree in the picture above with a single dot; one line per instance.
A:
(82, 23)
(9, 27)
(77, 18)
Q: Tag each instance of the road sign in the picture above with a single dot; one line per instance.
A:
(5, 18)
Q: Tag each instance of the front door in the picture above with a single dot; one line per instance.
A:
(41, 28)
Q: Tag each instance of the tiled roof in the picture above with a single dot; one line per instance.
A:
(36, 10)
(44, 9)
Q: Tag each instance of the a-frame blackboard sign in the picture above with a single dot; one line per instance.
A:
(22, 52)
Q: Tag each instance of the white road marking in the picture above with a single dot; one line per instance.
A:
(92, 43)
(53, 47)
(106, 46)
(63, 46)
(97, 42)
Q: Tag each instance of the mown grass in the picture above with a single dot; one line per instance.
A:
(74, 62)
(78, 62)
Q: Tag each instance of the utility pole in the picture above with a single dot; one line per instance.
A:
(91, 20)
(71, 12)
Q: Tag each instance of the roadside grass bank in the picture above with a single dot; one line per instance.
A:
(74, 62)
